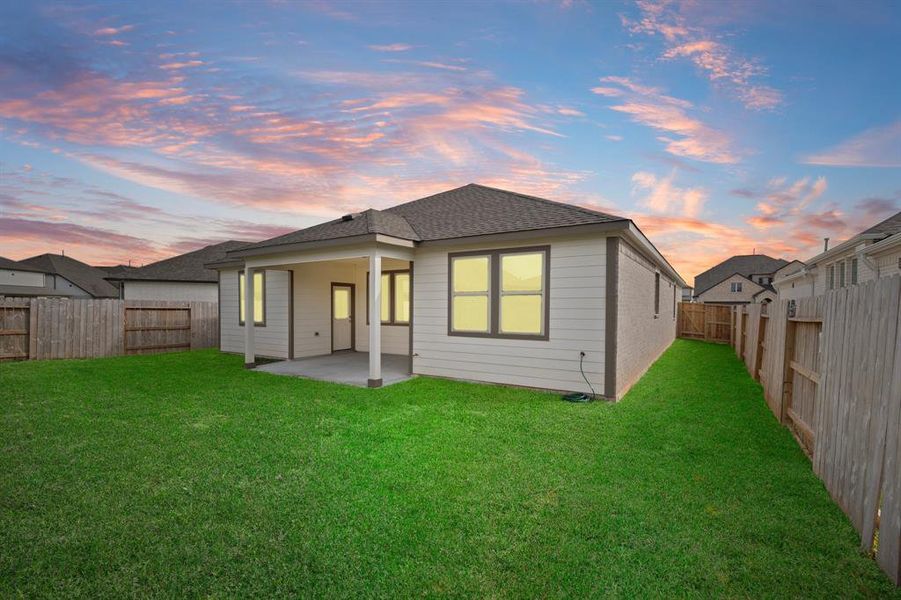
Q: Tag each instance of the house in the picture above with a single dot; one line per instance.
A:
(65, 276)
(183, 277)
(474, 283)
(17, 279)
(742, 279)
(687, 294)
(872, 253)
(792, 289)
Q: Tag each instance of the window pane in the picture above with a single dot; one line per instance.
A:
(521, 314)
(258, 297)
(386, 297)
(241, 297)
(470, 313)
(471, 274)
(522, 272)
(402, 297)
(342, 303)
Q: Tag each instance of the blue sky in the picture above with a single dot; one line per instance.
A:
(133, 132)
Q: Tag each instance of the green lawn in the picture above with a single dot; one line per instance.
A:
(185, 475)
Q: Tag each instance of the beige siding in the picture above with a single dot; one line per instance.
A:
(171, 290)
(722, 292)
(577, 291)
(642, 336)
(23, 278)
(313, 309)
(271, 340)
(887, 263)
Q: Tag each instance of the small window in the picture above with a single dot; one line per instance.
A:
(395, 301)
(674, 302)
(259, 295)
(736, 287)
(402, 297)
(853, 271)
(470, 293)
(830, 275)
(522, 293)
(656, 293)
(841, 274)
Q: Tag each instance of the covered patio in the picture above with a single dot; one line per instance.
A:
(339, 313)
(351, 368)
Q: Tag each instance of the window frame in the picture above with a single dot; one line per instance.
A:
(256, 323)
(854, 271)
(656, 294)
(842, 281)
(830, 277)
(392, 317)
(735, 287)
(495, 293)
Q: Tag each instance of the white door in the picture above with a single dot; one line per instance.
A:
(342, 317)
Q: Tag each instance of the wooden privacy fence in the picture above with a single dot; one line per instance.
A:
(47, 328)
(830, 367)
(708, 322)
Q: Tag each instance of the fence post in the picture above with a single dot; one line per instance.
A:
(787, 373)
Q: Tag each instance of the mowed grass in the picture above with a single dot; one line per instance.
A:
(185, 475)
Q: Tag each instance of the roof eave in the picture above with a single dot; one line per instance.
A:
(857, 239)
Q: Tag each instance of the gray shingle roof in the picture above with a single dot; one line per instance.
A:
(90, 279)
(184, 267)
(462, 212)
(6, 263)
(890, 226)
(479, 210)
(366, 222)
(746, 264)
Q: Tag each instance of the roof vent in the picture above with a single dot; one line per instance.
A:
(350, 216)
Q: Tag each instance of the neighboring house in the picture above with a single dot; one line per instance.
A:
(17, 279)
(65, 276)
(183, 277)
(474, 283)
(766, 295)
(687, 294)
(873, 253)
(792, 289)
(737, 280)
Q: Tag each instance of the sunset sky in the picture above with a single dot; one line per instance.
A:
(138, 131)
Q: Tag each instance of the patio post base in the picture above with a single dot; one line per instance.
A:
(250, 365)
(374, 383)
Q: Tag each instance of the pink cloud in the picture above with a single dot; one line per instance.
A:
(661, 195)
(390, 47)
(669, 115)
(685, 36)
(875, 147)
(109, 31)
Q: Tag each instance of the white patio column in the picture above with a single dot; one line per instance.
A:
(249, 345)
(375, 319)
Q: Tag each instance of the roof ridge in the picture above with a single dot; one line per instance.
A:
(548, 201)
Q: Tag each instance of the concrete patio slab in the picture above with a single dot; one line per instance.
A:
(351, 368)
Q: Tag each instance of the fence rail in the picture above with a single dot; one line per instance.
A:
(830, 367)
(49, 328)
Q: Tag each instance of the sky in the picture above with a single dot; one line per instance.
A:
(130, 132)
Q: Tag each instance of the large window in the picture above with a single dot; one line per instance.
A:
(259, 298)
(831, 276)
(395, 302)
(841, 274)
(499, 293)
